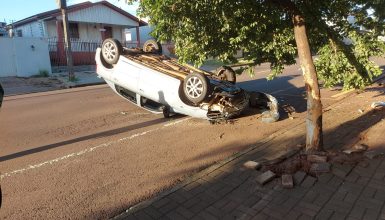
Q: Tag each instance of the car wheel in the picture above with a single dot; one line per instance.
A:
(111, 50)
(196, 87)
(226, 73)
(152, 46)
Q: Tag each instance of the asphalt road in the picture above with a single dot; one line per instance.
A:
(86, 153)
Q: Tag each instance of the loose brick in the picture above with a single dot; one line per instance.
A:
(314, 158)
(265, 177)
(320, 168)
(356, 148)
(287, 181)
(273, 160)
(252, 165)
(373, 154)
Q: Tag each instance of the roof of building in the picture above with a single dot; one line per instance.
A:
(76, 7)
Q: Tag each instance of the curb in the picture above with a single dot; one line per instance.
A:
(59, 89)
(85, 84)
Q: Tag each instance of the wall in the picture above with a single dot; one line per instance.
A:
(100, 14)
(144, 33)
(33, 29)
(50, 27)
(18, 58)
(89, 32)
(117, 33)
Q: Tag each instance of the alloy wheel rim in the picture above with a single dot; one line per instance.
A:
(194, 87)
(109, 51)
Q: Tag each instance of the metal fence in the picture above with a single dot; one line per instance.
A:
(83, 52)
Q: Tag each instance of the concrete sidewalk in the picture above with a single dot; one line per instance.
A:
(353, 189)
(24, 85)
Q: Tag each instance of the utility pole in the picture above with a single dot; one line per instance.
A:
(63, 8)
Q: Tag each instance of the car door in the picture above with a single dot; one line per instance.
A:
(158, 86)
(126, 74)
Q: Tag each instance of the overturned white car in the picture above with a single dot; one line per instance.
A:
(161, 85)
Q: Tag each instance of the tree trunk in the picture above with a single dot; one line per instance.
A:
(314, 139)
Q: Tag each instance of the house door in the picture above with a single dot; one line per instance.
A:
(107, 33)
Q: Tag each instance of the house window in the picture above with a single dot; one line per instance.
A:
(74, 30)
(19, 33)
(128, 36)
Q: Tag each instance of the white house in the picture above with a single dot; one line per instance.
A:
(3, 31)
(89, 24)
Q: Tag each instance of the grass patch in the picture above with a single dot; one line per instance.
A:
(74, 79)
(41, 73)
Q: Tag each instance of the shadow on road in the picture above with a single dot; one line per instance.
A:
(338, 138)
(87, 137)
(282, 90)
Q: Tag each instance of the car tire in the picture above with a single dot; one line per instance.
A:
(196, 87)
(152, 46)
(226, 73)
(111, 50)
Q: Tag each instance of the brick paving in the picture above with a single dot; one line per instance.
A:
(234, 194)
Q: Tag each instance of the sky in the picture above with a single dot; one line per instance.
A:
(15, 10)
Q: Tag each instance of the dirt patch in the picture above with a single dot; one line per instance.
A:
(22, 85)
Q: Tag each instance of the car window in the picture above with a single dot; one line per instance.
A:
(151, 104)
(129, 95)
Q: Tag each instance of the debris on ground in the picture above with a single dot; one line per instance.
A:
(305, 168)
(377, 104)
(265, 177)
(252, 165)
(360, 111)
(318, 168)
(287, 181)
(269, 117)
(314, 158)
(371, 154)
(356, 149)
